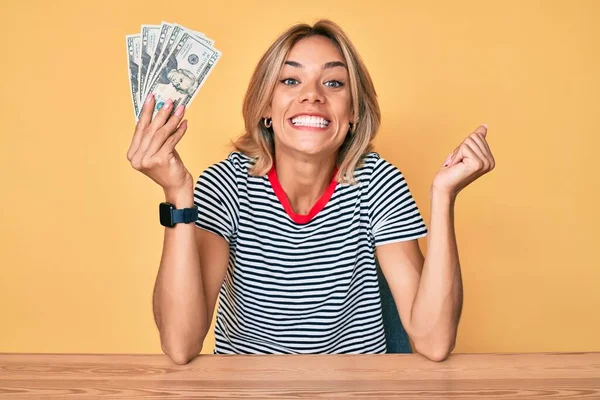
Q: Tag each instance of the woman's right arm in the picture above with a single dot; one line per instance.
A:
(193, 261)
(192, 269)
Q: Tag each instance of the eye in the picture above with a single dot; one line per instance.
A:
(334, 84)
(289, 81)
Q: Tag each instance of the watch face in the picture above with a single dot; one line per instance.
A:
(165, 212)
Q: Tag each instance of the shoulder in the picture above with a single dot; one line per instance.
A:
(381, 177)
(231, 169)
(373, 165)
(370, 159)
(225, 175)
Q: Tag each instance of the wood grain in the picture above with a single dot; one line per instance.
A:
(386, 376)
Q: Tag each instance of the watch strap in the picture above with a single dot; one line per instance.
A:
(185, 215)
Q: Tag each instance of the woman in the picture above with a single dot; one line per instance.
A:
(292, 220)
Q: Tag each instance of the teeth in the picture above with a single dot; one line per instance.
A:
(306, 120)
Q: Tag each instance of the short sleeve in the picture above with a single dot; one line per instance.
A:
(393, 212)
(215, 194)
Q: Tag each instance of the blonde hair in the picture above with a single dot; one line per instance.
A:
(258, 141)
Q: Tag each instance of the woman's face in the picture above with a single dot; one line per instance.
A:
(311, 106)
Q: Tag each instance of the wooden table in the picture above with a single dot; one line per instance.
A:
(386, 376)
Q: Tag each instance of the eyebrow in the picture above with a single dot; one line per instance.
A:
(330, 64)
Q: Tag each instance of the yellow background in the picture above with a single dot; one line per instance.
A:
(81, 240)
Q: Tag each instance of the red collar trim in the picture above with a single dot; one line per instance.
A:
(319, 205)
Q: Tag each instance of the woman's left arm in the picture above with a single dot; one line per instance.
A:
(438, 303)
(428, 290)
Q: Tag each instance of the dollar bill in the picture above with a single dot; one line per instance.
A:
(174, 34)
(149, 35)
(133, 61)
(183, 72)
(162, 38)
(170, 60)
(203, 37)
(200, 35)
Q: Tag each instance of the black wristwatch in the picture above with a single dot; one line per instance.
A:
(169, 215)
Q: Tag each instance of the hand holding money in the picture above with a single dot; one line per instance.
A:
(152, 149)
(170, 62)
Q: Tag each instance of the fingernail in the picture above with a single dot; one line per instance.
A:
(484, 125)
(148, 98)
(168, 104)
(179, 110)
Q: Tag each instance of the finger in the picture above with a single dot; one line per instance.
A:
(447, 160)
(480, 140)
(488, 153)
(474, 146)
(486, 145)
(147, 110)
(471, 153)
(175, 119)
(143, 121)
(482, 129)
(159, 138)
(483, 143)
(476, 139)
(172, 140)
(161, 116)
(155, 125)
(456, 157)
(450, 157)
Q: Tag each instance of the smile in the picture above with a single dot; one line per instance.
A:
(309, 121)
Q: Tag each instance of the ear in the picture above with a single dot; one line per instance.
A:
(267, 112)
(352, 116)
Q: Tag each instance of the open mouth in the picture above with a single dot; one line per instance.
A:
(310, 121)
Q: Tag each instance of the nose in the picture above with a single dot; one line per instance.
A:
(311, 93)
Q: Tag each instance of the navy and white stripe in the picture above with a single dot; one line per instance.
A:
(309, 288)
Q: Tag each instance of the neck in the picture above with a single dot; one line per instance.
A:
(304, 180)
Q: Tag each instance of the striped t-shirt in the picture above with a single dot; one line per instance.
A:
(303, 284)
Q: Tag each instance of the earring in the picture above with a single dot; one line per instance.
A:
(267, 125)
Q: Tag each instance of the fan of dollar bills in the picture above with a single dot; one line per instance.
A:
(169, 61)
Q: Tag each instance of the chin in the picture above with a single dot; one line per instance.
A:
(311, 150)
(307, 150)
